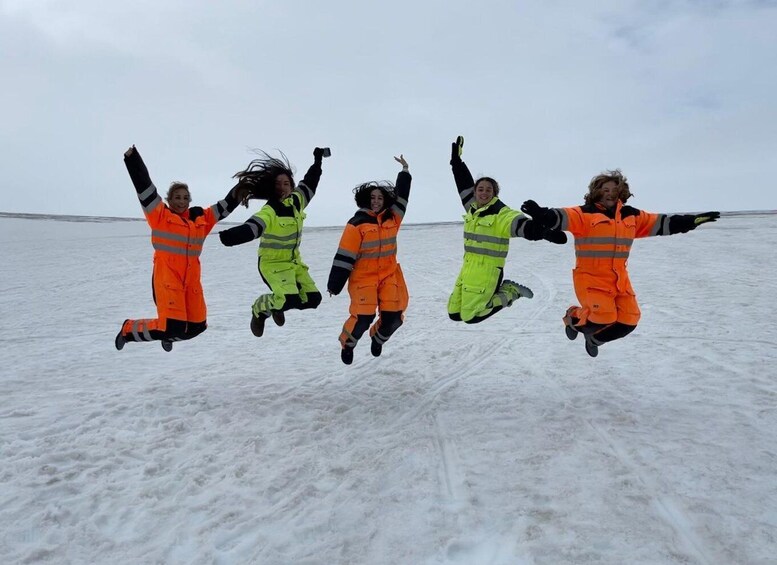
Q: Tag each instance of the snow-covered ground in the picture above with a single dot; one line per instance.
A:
(499, 443)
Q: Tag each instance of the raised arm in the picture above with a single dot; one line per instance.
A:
(147, 192)
(306, 189)
(465, 184)
(402, 188)
(224, 207)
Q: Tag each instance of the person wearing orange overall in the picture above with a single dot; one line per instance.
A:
(604, 229)
(367, 259)
(177, 235)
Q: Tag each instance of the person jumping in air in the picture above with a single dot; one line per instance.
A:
(604, 229)
(480, 290)
(177, 234)
(279, 225)
(367, 259)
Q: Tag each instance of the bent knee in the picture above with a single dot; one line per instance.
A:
(314, 299)
(195, 329)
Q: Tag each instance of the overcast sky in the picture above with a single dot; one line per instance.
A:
(679, 95)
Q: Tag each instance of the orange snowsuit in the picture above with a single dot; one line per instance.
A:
(602, 247)
(177, 241)
(367, 259)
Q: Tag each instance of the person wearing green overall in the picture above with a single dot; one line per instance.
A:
(481, 290)
(279, 225)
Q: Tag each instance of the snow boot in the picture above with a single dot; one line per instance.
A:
(279, 317)
(167, 345)
(120, 341)
(376, 348)
(569, 327)
(257, 324)
(590, 346)
(346, 355)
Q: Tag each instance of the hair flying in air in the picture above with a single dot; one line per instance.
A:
(260, 174)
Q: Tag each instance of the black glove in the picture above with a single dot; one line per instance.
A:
(683, 223)
(457, 148)
(705, 217)
(538, 213)
(555, 236)
(318, 154)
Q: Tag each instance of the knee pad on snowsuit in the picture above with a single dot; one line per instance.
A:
(354, 329)
(613, 332)
(175, 330)
(193, 329)
(314, 299)
(389, 322)
(295, 302)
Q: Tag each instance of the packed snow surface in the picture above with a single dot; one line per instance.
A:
(500, 443)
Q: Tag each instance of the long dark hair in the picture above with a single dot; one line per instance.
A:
(363, 192)
(260, 174)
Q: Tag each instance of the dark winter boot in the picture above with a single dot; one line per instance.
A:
(279, 317)
(569, 327)
(346, 355)
(120, 341)
(257, 324)
(376, 348)
(167, 345)
(591, 347)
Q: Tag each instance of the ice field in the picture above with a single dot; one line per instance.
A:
(500, 443)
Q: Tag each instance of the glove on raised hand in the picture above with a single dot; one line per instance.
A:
(538, 213)
(457, 148)
(242, 192)
(318, 154)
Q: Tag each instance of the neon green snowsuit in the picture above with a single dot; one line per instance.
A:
(487, 233)
(279, 224)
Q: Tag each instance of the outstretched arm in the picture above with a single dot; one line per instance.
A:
(550, 218)
(465, 184)
(671, 224)
(546, 222)
(249, 230)
(402, 187)
(531, 229)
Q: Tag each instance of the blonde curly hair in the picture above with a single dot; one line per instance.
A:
(175, 186)
(596, 184)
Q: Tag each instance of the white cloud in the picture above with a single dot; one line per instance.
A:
(546, 93)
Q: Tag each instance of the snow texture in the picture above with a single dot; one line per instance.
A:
(501, 443)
